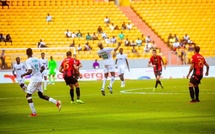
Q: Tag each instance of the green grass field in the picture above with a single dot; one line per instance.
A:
(134, 109)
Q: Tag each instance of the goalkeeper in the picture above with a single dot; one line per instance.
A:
(52, 66)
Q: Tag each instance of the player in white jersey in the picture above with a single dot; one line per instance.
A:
(18, 70)
(35, 69)
(105, 54)
(121, 62)
(44, 62)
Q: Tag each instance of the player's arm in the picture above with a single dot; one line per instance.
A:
(119, 44)
(127, 64)
(207, 68)
(116, 62)
(150, 64)
(29, 70)
(79, 66)
(164, 65)
(190, 70)
(42, 69)
(13, 71)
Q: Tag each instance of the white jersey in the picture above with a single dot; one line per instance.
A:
(19, 69)
(44, 62)
(105, 54)
(35, 65)
(121, 59)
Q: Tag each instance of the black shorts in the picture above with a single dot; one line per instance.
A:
(196, 79)
(70, 80)
(158, 73)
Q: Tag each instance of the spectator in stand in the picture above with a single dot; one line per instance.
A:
(113, 40)
(112, 27)
(104, 35)
(182, 42)
(127, 42)
(88, 37)
(134, 51)
(171, 41)
(107, 40)
(73, 35)
(148, 39)
(3, 64)
(41, 44)
(87, 47)
(142, 37)
(182, 55)
(94, 36)
(79, 34)
(68, 33)
(121, 36)
(4, 3)
(79, 48)
(186, 38)
(176, 38)
(146, 48)
(116, 28)
(2, 37)
(96, 64)
(139, 42)
(129, 26)
(8, 39)
(107, 20)
(175, 45)
(153, 45)
(123, 26)
(48, 18)
(191, 47)
(73, 44)
(133, 43)
(168, 39)
(99, 30)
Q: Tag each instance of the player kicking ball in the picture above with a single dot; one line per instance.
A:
(156, 62)
(18, 70)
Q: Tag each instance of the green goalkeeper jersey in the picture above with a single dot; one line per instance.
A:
(52, 65)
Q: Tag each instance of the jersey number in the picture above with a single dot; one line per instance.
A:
(104, 56)
(66, 65)
(200, 63)
(36, 67)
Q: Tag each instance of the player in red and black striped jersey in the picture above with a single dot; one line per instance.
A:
(68, 67)
(156, 62)
(78, 64)
(197, 66)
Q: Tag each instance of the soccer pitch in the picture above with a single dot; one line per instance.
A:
(134, 109)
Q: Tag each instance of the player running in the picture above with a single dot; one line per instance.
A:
(121, 62)
(197, 66)
(18, 70)
(156, 62)
(52, 66)
(105, 54)
(35, 69)
(68, 67)
(44, 61)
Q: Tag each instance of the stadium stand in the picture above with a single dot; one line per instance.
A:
(194, 17)
(26, 22)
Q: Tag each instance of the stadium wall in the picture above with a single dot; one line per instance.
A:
(134, 74)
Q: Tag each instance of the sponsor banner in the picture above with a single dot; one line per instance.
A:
(134, 74)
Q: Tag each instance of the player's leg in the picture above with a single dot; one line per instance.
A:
(45, 82)
(45, 97)
(158, 79)
(111, 69)
(50, 78)
(104, 83)
(71, 92)
(192, 84)
(78, 92)
(30, 90)
(197, 88)
(122, 71)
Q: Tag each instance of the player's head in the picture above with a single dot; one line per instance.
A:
(196, 49)
(69, 54)
(100, 45)
(43, 55)
(51, 58)
(17, 60)
(121, 50)
(154, 52)
(29, 52)
(74, 56)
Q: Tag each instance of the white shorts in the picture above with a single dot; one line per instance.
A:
(121, 70)
(45, 73)
(20, 80)
(109, 68)
(33, 87)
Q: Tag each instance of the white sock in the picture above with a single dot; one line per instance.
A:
(112, 81)
(104, 83)
(122, 82)
(45, 84)
(53, 100)
(31, 105)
